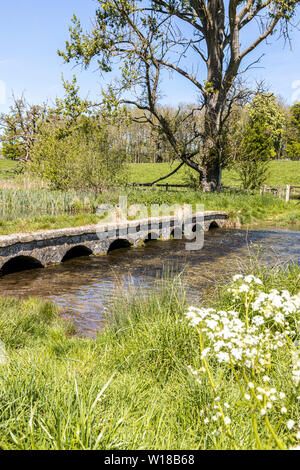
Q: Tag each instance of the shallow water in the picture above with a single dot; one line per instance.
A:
(85, 288)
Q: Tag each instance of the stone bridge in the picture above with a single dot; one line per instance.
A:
(35, 250)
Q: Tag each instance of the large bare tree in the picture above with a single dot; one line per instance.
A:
(205, 42)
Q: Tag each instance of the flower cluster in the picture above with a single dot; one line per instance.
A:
(277, 306)
(213, 415)
(244, 338)
(266, 396)
(232, 341)
(244, 284)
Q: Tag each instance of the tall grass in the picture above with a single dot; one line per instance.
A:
(129, 389)
(25, 203)
(31, 210)
(245, 207)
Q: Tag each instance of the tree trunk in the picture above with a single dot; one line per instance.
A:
(214, 97)
(210, 178)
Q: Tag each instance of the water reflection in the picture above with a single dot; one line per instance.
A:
(84, 288)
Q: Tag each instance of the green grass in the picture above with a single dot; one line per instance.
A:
(32, 210)
(6, 166)
(281, 172)
(27, 205)
(129, 389)
(244, 207)
(16, 203)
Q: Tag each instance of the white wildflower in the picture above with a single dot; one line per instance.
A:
(237, 277)
(290, 424)
(244, 288)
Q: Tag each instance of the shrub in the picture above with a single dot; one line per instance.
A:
(82, 157)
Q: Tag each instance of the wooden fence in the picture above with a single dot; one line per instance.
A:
(166, 186)
(282, 191)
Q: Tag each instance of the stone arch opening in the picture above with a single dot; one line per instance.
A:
(77, 252)
(198, 228)
(20, 263)
(213, 226)
(119, 244)
(152, 236)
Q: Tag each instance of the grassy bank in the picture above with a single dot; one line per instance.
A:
(27, 205)
(132, 387)
(31, 210)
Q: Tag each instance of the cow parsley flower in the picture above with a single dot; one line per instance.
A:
(290, 424)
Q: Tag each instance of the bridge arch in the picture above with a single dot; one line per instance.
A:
(213, 225)
(118, 244)
(20, 263)
(78, 251)
(199, 227)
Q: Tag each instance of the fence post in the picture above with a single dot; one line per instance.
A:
(288, 193)
(167, 187)
(280, 191)
(263, 189)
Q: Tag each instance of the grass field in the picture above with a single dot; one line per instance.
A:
(132, 387)
(281, 172)
(6, 166)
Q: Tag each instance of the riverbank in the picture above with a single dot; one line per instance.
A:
(28, 205)
(23, 211)
(134, 386)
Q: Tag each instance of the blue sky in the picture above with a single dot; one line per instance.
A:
(31, 31)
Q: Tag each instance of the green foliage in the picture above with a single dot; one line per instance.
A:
(7, 168)
(12, 149)
(20, 127)
(32, 210)
(293, 144)
(82, 158)
(21, 203)
(71, 107)
(293, 150)
(135, 35)
(258, 140)
(24, 323)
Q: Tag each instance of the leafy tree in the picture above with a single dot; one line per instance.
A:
(258, 139)
(20, 128)
(148, 37)
(74, 148)
(293, 144)
(24, 122)
(84, 159)
(71, 107)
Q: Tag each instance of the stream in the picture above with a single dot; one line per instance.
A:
(85, 288)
